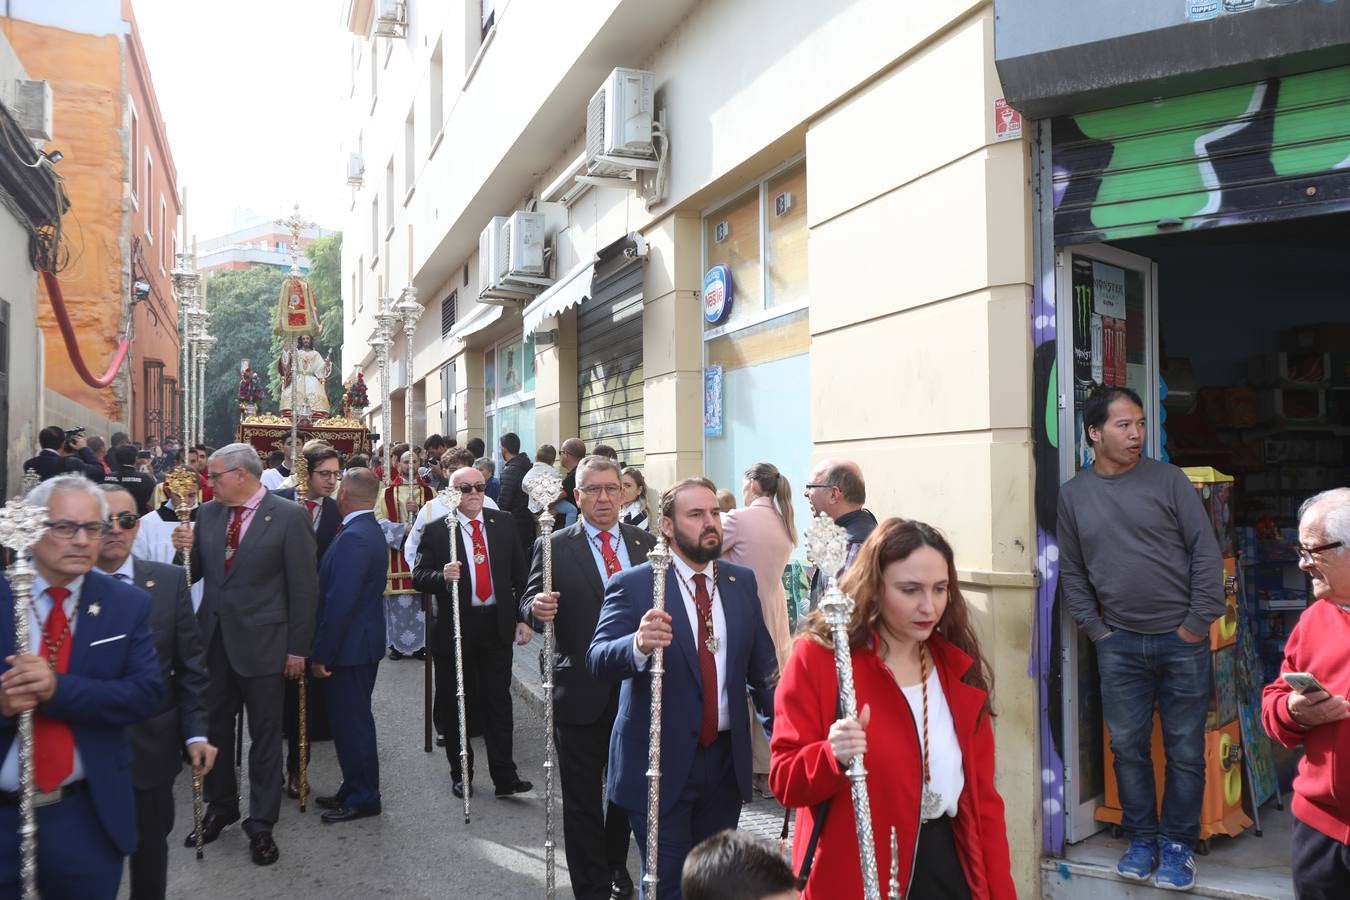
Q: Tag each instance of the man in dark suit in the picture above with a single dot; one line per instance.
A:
(491, 578)
(51, 461)
(720, 648)
(255, 552)
(349, 644)
(585, 556)
(140, 485)
(325, 467)
(104, 677)
(157, 744)
(512, 497)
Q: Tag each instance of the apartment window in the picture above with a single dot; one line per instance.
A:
(389, 194)
(353, 306)
(374, 230)
(374, 76)
(508, 396)
(163, 232)
(437, 76)
(409, 153)
(134, 149)
(358, 279)
(449, 311)
(153, 398)
(149, 186)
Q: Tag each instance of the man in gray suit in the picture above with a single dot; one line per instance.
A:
(157, 743)
(255, 552)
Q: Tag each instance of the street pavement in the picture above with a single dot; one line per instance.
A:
(420, 848)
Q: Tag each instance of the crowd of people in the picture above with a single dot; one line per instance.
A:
(269, 582)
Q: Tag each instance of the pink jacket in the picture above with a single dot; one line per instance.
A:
(755, 537)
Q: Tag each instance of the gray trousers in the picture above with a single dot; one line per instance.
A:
(262, 699)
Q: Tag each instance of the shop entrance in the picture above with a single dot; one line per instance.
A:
(1238, 339)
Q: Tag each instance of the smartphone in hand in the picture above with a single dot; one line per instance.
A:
(1302, 682)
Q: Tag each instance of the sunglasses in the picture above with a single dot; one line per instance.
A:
(125, 521)
(477, 487)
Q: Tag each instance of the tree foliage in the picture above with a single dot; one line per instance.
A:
(243, 305)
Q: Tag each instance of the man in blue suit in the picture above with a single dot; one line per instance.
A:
(105, 677)
(721, 649)
(349, 644)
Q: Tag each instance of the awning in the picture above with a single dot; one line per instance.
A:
(474, 322)
(565, 293)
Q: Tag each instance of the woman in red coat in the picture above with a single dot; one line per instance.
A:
(916, 661)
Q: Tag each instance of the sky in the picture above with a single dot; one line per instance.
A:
(251, 96)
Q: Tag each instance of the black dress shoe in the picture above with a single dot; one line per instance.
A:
(519, 786)
(343, 814)
(394, 654)
(622, 887)
(263, 848)
(212, 825)
(457, 788)
(420, 654)
(440, 740)
(331, 801)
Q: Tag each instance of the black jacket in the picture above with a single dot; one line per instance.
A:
(509, 570)
(513, 499)
(140, 485)
(859, 524)
(49, 464)
(329, 519)
(578, 698)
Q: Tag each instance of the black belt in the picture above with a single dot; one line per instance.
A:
(45, 798)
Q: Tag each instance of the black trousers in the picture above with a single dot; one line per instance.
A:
(487, 696)
(149, 865)
(595, 835)
(262, 698)
(1321, 865)
(937, 868)
(316, 711)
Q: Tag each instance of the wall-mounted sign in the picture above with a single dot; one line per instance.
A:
(717, 295)
(712, 401)
(1007, 121)
(1108, 290)
(721, 231)
(1199, 10)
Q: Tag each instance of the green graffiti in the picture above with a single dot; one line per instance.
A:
(1307, 138)
(1154, 172)
(1052, 406)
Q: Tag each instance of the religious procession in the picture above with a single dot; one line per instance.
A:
(786, 479)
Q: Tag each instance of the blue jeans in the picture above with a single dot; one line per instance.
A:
(1137, 671)
(566, 511)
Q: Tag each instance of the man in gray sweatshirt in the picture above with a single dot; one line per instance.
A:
(1141, 574)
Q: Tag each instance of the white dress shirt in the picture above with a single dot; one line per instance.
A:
(425, 516)
(685, 579)
(346, 520)
(38, 611)
(467, 531)
(272, 479)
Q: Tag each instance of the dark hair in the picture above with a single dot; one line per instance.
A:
(432, 441)
(95, 443)
(734, 865)
(124, 454)
(574, 447)
(892, 540)
(53, 437)
(546, 454)
(275, 458)
(315, 455)
(1098, 406)
(118, 437)
(459, 457)
(358, 461)
(774, 485)
(510, 442)
(668, 498)
(604, 450)
(476, 447)
(850, 483)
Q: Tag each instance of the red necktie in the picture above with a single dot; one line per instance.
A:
(607, 554)
(707, 663)
(482, 575)
(309, 505)
(55, 756)
(232, 535)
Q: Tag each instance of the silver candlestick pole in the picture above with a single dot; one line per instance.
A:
(544, 490)
(408, 311)
(386, 320)
(205, 344)
(450, 497)
(659, 557)
(21, 525)
(827, 548)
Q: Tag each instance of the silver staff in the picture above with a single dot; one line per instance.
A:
(300, 471)
(827, 547)
(21, 525)
(544, 489)
(182, 481)
(893, 892)
(659, 557)
(450, 497)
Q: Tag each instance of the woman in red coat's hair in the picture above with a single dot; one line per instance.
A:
(925, 726)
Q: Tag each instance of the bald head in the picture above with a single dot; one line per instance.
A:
(836, 487)
(359, 489)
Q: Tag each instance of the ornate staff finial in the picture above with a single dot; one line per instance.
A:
(450, 496)
(544, 489)
(826, 546)
(21, 525)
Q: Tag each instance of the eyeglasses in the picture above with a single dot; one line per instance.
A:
(125, 521)
(477, 487)
(214, 476)
(1306, 554)
(609, 490)
(326, 473)
(66, 530)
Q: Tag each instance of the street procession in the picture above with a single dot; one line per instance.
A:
(681, 450)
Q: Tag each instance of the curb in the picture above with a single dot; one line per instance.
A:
(526, 685)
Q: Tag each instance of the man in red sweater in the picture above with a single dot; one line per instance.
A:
(1319, 645)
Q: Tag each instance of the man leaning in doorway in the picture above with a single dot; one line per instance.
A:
(1142, 576)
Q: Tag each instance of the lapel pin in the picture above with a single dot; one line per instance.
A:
(732, 577)
(95, 609)
(267, 518)
(150, 583)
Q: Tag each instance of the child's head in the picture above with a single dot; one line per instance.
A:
(733, 865)
(726, 500)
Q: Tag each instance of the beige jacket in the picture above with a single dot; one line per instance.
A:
(755, 537)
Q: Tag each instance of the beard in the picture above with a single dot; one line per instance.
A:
(693, 548)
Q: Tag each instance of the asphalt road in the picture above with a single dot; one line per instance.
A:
(420, 848)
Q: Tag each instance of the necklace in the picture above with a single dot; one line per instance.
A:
(54, 647)
(713, 643)
(930, 805)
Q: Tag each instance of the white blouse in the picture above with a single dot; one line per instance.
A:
(947, 778)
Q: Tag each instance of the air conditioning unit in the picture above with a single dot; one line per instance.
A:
(619, 124)
(356, 170)
(493, 257)
(393, 19)
(33, 108)
(523, 237)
